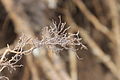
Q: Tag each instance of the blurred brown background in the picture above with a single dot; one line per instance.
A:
(97, 22)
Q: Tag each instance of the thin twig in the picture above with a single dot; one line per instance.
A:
(45, 64)
(21, 25)
(94, 20)
(73, 65)
(114, 13)
(94, 47)
(59, 65)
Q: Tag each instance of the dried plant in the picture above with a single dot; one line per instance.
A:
(51, 37)
(18, 51)
(57, 35)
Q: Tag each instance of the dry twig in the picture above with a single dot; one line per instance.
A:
(97, 51)
(114, 13)
(94, 20)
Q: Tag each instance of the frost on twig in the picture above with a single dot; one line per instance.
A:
(52, 37)
(18, 52)
(57, 35)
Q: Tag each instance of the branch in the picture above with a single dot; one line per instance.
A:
(102, 28)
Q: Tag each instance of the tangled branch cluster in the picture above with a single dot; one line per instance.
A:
(17, 51)
(51, 36)
(57, 35)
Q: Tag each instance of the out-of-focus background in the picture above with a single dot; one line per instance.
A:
(96, 20)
